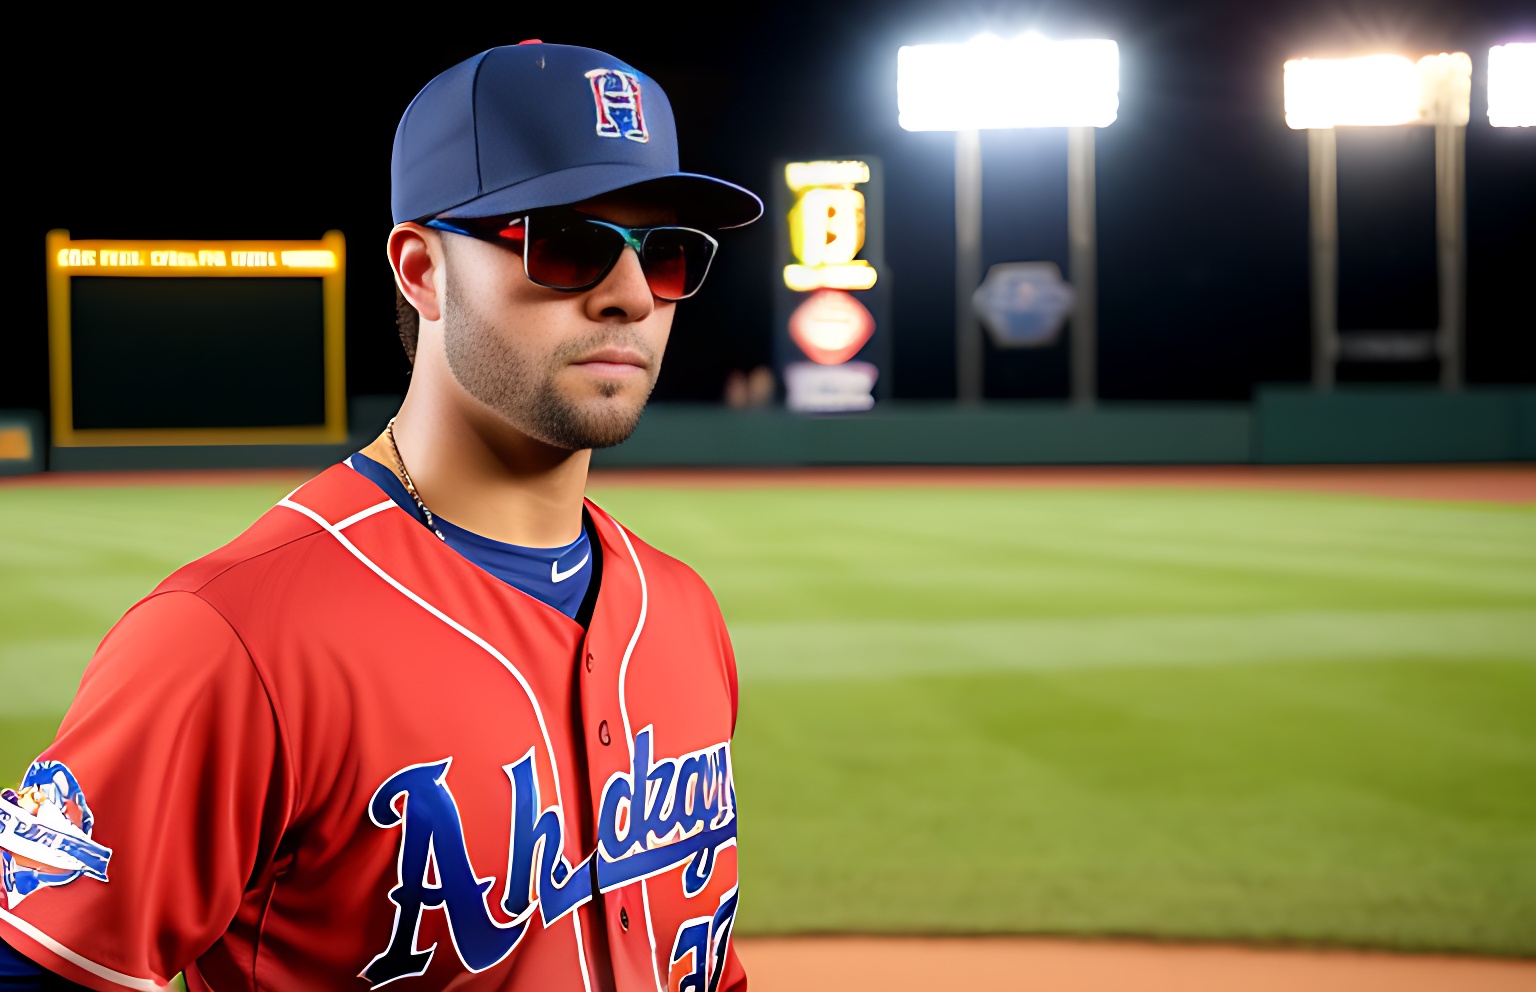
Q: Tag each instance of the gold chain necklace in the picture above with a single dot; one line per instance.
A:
(410, 487)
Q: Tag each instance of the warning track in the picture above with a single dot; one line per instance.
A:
(1487, 483)
(897, 964)
(1482, 483)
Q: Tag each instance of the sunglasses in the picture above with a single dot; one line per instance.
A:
(569, 251)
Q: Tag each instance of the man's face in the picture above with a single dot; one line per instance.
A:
(571, 369)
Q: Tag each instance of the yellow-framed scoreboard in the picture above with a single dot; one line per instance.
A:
(197, 342)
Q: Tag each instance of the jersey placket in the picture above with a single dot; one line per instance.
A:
(616, 622)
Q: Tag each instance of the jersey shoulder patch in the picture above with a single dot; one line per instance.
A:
(45, 833)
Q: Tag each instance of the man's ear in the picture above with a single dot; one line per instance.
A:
(416, 256)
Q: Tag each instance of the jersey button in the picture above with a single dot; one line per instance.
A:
(624, 918)
(589, 661)
(602, 732)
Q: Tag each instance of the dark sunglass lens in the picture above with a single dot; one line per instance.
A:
(570, 254)
(675, 261)
(666, 268)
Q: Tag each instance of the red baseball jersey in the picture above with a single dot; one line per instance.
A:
(334, 754)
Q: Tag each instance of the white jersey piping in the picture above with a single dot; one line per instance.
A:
(365, 514)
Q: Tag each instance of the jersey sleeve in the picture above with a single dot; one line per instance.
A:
(128, 846)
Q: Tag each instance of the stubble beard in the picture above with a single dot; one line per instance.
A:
(523, 389)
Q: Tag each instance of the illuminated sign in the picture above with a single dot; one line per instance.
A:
(827, 226)
(831, 302)
(830, 327)
(196, 342)
(845, 388)
(147, 256)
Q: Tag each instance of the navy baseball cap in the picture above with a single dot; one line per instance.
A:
(521, 127)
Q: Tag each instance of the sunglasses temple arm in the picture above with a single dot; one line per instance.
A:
(438, 224)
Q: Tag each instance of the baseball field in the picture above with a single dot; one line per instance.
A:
(1172, 711)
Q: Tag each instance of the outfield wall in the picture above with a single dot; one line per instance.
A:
(1298, 426)
(941, 434)
(1284, 425)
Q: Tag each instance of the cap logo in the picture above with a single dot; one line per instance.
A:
(619, 114)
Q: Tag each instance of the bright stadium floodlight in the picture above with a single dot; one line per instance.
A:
(988, 82)
(1030, 81)
(1370, 91)
(1512, 85)
(1378, 91)
(1382, 91)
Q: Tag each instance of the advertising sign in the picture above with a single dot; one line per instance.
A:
(1024, 304)
(832, 337)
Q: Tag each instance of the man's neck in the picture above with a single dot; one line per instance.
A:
(471, 468)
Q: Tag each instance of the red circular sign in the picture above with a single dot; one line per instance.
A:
(831, 326)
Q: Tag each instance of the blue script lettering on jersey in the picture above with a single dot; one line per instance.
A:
(432, 835)
(686, 814)
(686, 803)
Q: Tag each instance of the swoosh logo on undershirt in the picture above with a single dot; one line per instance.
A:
(555, 575)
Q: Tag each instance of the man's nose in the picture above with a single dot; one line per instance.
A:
(623, 294)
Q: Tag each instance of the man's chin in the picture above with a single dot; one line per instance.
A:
(593, 422)
(612, 425)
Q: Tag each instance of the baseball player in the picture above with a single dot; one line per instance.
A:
(434, 721)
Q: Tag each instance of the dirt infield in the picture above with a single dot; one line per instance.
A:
(825, 964)
(1482, 483)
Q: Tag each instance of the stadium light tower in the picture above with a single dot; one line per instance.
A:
(1029, 81)
(1381, 91)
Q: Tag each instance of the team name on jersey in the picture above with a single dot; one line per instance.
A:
(661, 814)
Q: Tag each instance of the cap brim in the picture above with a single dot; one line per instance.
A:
(700, 201)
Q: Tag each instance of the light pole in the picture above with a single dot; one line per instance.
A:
(969, 347)
(1083, 262)
(1380, 91)
(989, 83)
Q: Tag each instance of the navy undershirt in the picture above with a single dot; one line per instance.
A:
(557, 577)
(16, 971)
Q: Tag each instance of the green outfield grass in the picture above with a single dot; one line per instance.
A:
(1191, 714)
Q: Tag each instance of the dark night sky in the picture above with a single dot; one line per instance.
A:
(277, 130)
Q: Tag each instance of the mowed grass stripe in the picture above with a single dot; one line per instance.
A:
(1195, 714)
(828, 649)
(958, 554)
